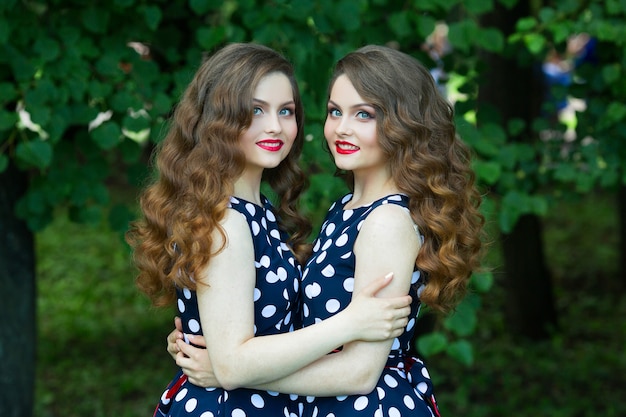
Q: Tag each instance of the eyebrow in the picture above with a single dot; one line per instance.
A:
(355, 106)
(265, 103)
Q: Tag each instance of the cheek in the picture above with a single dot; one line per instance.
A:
(292, 130)
(329, 129)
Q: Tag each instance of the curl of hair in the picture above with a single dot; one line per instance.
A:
(428, 162)
(197, 164)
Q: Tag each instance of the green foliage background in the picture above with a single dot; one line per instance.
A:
(66, 62)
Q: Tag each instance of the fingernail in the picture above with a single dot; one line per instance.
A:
(389, 275)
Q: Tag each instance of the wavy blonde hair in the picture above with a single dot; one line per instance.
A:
(197, 164)
(428, 162)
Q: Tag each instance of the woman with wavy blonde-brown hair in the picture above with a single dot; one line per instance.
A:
(413, 209)
(210, 241)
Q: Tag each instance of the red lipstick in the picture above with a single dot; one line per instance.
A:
(345, 148)
(272, 145)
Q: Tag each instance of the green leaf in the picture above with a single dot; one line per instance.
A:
(491, 39)
(539, 205)
(4, 162)
(36, 153)
(23, 68)
(40, 114)
(517, 203)
(95, 20)
(107, 135)
(347, 8)
(611, 73)
(108, 65)
(463, 320)
(135, 123)
(152, 15)
(200, 7)
(130, 150)
(425, 25)
(462, 351)
(535, 43)
(5, 30)
(7, 92)
(546, 14)
(488, 172)
(508, 3)
(47, 49)
(482, 281)
(399, 23)
(123, 101)
(462, 33)
(515, 126)
(161, 104)
(432, 343)
(525, 24)
(7, 120)
(208, 38)
(478, 6)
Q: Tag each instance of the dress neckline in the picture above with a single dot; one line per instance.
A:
(348, 197)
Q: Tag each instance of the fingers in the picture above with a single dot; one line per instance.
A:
(400, 302)
(197, 340)
(178, 323)
(377, 285)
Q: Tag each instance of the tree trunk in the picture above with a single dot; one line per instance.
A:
(516, 91)
(17, 298)
(530, 308)
(621, 210)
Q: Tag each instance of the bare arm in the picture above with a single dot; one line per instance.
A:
(387, 241)
(225, 297)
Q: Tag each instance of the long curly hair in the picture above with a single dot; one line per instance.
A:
(428, 162)
(197, 164)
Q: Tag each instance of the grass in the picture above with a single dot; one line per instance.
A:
(101, 348)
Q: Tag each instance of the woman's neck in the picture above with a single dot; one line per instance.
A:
(370, 188)
(248, 187)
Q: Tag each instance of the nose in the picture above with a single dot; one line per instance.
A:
(343, 127)
(273, 124)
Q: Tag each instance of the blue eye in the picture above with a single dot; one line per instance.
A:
(363, 115)
(286, 112)
(256, 111)
(334, 112)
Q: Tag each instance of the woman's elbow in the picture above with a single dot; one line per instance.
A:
(367, 381)
(228, 378)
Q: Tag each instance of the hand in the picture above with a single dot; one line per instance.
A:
(375, 319)
(194, 361)
(176, 334)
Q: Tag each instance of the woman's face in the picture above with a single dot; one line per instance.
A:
(271, 134)
(350, 129)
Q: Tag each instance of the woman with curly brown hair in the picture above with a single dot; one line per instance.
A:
(412, 209)
(211, 242)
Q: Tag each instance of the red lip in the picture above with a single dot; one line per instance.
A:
(343, 150)
(272, 145)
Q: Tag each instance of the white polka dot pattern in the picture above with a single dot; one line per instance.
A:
(276, 295)
(328, 282)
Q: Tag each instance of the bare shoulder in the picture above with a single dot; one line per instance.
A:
(390, 224)
(390, 216)
(235, 226)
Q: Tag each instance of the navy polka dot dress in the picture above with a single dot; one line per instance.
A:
(276, 299)
(404, 388)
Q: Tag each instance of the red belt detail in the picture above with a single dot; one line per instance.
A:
(172, 391)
